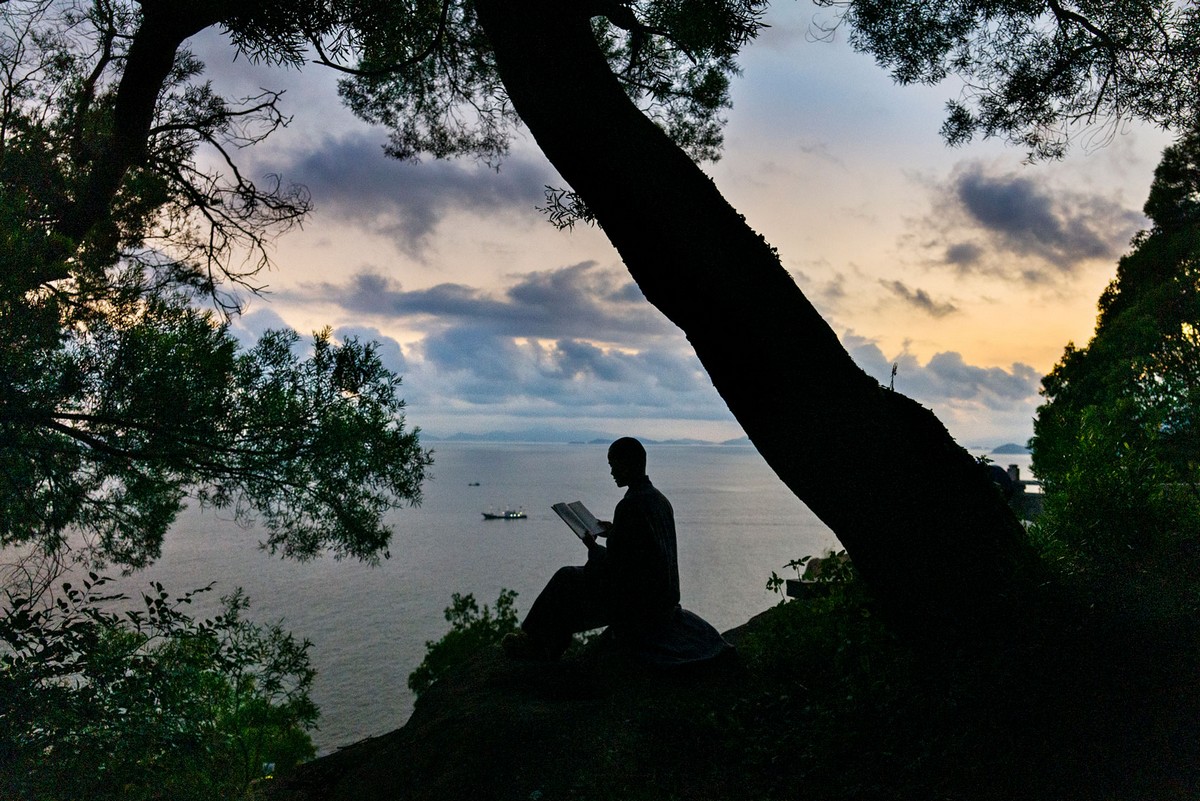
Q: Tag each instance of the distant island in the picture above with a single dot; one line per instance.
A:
(1011, 447)
(648, 441)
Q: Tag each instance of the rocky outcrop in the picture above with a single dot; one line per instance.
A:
(598, 725)
(1087, 705)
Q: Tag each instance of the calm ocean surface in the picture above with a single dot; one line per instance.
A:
(736, 523)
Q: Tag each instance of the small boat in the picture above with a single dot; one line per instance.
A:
(508, 514)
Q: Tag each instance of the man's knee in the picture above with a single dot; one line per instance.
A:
(564, 577)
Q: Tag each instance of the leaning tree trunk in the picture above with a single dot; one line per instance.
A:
(917, 515)
(148, 63)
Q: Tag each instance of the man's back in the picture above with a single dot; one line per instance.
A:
(642, 561)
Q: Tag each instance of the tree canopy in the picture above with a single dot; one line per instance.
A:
(1034, 73)
(1030, 72)
(120, 392)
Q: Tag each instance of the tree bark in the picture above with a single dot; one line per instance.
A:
(918, 516)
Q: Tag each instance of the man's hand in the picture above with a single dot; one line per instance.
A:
(590, 539)
(595, 549)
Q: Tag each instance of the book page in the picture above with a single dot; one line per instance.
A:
(578, 518)
(587, 518)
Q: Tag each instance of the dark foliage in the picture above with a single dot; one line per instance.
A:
(1116, 441)
(146, 703)
(471, 631)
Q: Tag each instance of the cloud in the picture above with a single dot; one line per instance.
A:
(248, 327)
(352, 181)
(390, 353)
(371, 293)
(1010, 225)
(340, 158)
(949, 385)
(828, 288)
(964, 255)
(919, 299)
(1027, 219)
(951, 377)
(822, 151)
(583, 301)
(474, 369)
(476, 351)
(579, 341)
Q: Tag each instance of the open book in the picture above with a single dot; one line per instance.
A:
(577, 516)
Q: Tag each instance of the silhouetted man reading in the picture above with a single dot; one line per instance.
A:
(631, 586)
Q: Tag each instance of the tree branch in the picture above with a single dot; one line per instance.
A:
(1066, 15)
(435, 46)
(148, 64)
(87, 92)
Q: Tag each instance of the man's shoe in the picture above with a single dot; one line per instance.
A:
(521, 645)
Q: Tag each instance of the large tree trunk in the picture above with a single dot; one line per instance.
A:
(918, 516)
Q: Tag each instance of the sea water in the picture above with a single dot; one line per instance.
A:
(369, 626)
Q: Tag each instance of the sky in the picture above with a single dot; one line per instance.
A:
(966, 268)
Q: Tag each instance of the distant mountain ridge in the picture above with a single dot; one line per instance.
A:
(591, 437)
(568, 437)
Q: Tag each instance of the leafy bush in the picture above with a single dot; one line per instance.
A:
(146, 703)
(471, 629)
(1118, 496)
(831, 682)
(1116, 441)
(828, 632)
